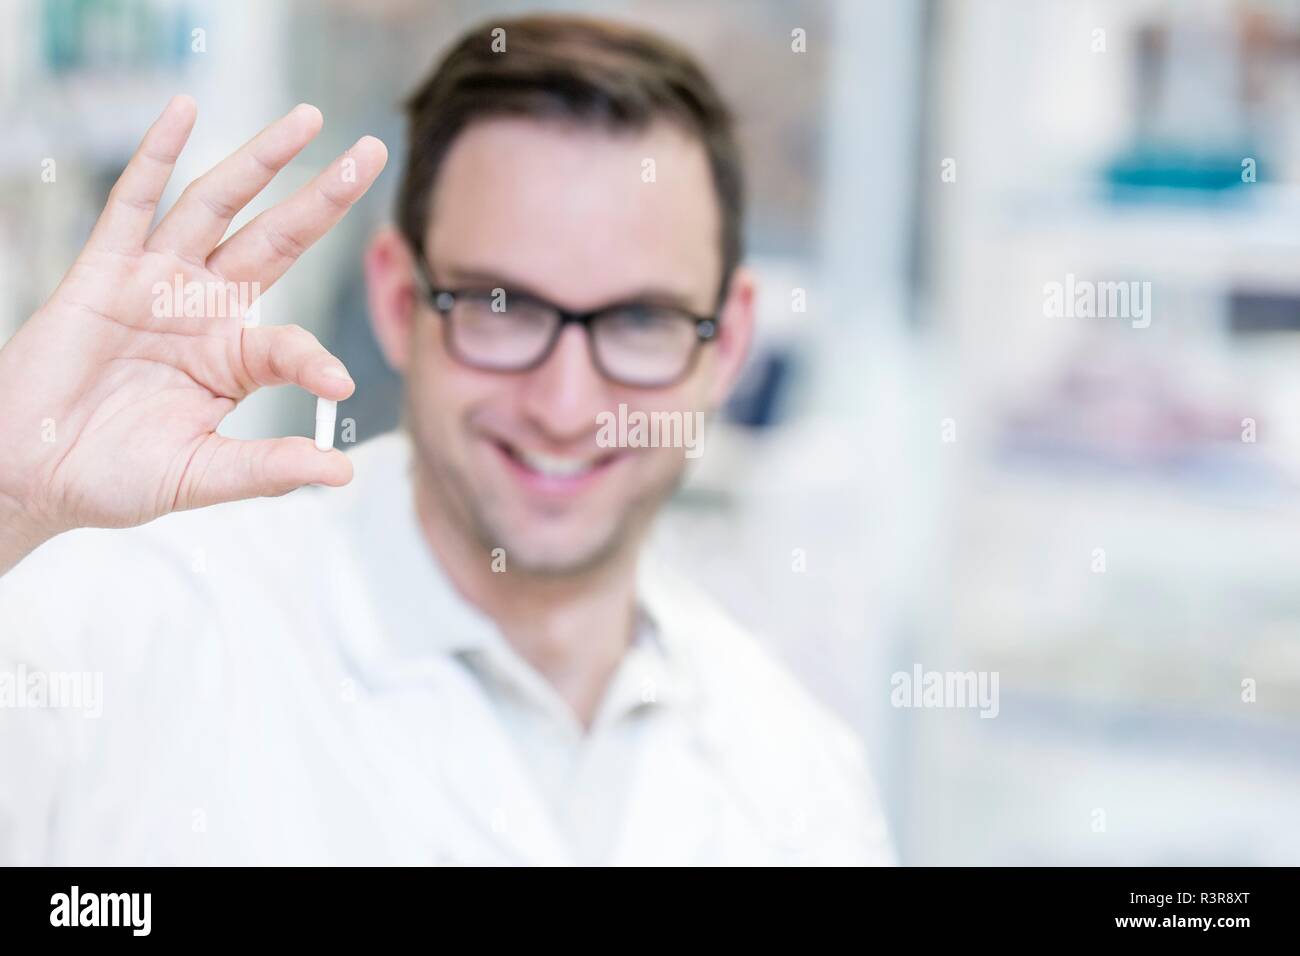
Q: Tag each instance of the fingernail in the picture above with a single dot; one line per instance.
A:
(336, 371)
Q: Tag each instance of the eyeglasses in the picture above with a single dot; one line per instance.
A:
(642, 345)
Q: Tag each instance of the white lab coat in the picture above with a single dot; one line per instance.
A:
(279, 685)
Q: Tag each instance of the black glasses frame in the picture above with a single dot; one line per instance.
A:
(443, 300)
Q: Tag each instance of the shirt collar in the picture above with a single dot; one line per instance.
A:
(643, 678)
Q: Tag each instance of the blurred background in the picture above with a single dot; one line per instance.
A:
(926, 465)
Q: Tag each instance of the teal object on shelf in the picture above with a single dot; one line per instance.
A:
(1176, 172)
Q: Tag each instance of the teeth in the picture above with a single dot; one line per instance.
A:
(552, 466)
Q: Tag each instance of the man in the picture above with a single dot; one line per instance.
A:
(463, 656)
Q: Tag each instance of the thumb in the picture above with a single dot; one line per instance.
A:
(225, 469)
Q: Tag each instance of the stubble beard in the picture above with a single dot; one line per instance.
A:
(451, 495)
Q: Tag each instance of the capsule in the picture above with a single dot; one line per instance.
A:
(326, 411)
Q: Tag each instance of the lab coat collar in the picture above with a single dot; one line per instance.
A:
(422, 619)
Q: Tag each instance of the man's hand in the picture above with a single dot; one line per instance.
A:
(111, 393)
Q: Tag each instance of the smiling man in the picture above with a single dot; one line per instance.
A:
(464, 655)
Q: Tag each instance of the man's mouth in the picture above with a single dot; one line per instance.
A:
(554, 472)
(552, 466)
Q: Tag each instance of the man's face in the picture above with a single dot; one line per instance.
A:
(565, 213)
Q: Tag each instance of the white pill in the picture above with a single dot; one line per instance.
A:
(326, 411)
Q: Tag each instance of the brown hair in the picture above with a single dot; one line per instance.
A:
(569, 68)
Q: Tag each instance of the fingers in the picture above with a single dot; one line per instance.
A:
(265, 248)
(227, 470)
(201, 216)
(290, 355)
(224, 469)
(125, 221)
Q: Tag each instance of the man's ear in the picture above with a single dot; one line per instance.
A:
(392, 295)
(735, 334)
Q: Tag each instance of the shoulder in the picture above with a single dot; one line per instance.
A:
(732, 668)
(799, 762)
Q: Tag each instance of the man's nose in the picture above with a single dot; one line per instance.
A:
(565, 393)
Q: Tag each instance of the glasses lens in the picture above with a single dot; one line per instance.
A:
(645, 345)
(492, 331)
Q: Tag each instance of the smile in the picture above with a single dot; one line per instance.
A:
(551, 465)
(548, 472)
